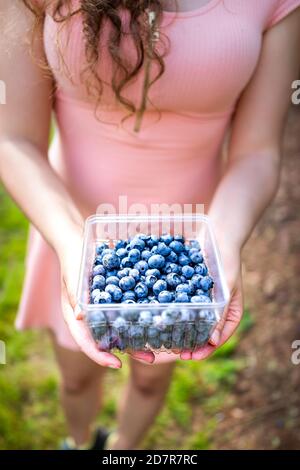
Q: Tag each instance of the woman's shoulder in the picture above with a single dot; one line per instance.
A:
(279, 9)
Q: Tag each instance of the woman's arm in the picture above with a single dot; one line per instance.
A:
(252, 174)
(24, 131)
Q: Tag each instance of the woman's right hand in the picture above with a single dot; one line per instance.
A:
(70, 259)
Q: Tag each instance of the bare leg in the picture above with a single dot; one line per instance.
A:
(80, 391)
(143, 397)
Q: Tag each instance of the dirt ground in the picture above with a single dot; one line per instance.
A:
(263, 410)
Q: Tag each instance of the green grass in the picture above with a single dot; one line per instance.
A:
(30, 414)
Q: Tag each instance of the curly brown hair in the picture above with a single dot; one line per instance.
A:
(142, 29)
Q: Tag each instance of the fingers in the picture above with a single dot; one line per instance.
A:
(83, 338)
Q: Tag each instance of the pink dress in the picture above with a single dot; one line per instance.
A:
(177, 158)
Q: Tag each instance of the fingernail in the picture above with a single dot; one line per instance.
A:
(113, 366)
(215, 338)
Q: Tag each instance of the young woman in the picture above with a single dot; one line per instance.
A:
(221, 71)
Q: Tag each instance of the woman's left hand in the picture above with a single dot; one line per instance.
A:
(234, 311)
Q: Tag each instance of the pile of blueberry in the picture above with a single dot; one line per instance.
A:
(148, 269)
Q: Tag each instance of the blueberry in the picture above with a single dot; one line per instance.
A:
(103, 298)
(179, 238)
(120, 325)
(156, 261)
(163, 277)
(98, 260)
(166, 238)
(129, 314)
(145, 318)
(127, 283)
(171, 268)
(190, 336)
(196, 279)
(159, 286)
(142, 236)
(176, 246)
(141, 266)
(172, 257)
(136, 331)
(185, 315)
(110, 261)
(98, 282)
(152, 241)
(200, 299)
(177, 336)
(164, 297)
(145, 255)
(95, 317)
(113, 272)
(121, 253)
(128, 301)
(206, 283)
(166, 339)
(153, 272)
(191, 285)
(126, 263)
(173, 280)
(201, 269)
(129, 295)
(150, 281)
(112, 280)
(195, 244)
(182, 297)
(183, 288)
(183, 279)
(138, 243)
(200, 292)
(143, 301)
(152, 331)
(123, 272)
(183, 259)
(157, 322)
(153, 250)
(135, 274)
(100, 247)
(115, 292)
(196, 257)
(141, 290)
(154, 301)
(188, 271)
(171, 313)
(120, 244)
(99, 269)
(134, 255)
(163, 249)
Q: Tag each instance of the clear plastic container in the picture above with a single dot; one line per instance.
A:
(180, 335)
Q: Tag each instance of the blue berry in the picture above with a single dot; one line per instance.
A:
(188, 271)
(134, 255)
(145, 255)
(145, 318)
(129, 295)
(166, 238)
(129, 314)
(179, 238)
(170, 316)
(126, 263)
(115, 292)
(163, 249)
(200, 299)
(98, 282)
(134, 273)
(183, 259)
(164, 297)
(201, 269)
(96, 317)
(103, 298)
(196, 279)
(196, 257)
(206, 283)
(110, 261)
(128, 301)
(195, 244)
(100, 248)
(172, 257)
(141, 266)
(156, 262)
(120, 325)
(112, 280)
(183, 279)
(171, 268)
(153, 272)
(120, 244)
(182, 297)
(159, 286)
(99, 269)
(153, 240)
(127, 283)
(123, 272)
(138, 243)
(141, 290)
(143, 301)
(113, 272)
(183, 288)
(173, 280)
(94, 294)
(153, 250)
(98, 260)
(121, 253)
(176, 246)
(154, 301)
(150, 281)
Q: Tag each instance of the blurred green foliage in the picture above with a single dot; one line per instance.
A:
(30, 414)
